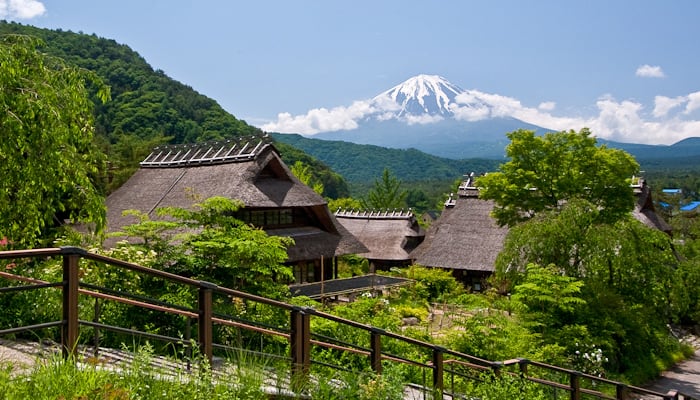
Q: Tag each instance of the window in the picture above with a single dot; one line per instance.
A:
(273, 218)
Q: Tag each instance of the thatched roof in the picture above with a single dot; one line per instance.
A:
(644, 210)
(249, 170)
(389, 235)
(465, 237)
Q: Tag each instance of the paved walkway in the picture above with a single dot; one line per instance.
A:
(684, 377)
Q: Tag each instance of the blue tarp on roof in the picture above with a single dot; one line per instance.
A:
(672, 191)
(691, 206)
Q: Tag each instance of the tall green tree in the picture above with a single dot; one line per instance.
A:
(48, 162)
(627, 271)
(303, 173)
(386, 194)
(208, 243)
(545, 171)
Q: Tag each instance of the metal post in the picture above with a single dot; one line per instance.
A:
(188, 342)
(205, 320)
(70, 329)
(376, 350)
(96, 336)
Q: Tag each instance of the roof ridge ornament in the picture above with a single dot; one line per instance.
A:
(396, 213)
(205, 153)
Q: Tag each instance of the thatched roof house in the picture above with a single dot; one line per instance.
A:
(465, 239)
(390, 236)
(644, 210)
(252, 171)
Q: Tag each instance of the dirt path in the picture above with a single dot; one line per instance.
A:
(684, 377)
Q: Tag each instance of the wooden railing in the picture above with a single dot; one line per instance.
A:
(445, 371)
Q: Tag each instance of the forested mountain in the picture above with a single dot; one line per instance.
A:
(148, 108)
(360, 163)
(145, 102)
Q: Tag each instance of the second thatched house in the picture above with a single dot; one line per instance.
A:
(390, 236)
(252, 171)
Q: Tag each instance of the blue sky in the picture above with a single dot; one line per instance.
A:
(629, 70)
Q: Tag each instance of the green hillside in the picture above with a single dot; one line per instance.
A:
(148, 108)
(361, 163)
(145, 102)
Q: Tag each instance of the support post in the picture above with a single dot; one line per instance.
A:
(205, 329)
(621, 391)
(70, 329)
(671, 395)
(522, 363)
(496, 367)
(438, 369)
(376, 350)
(300, 342)
(575, 378)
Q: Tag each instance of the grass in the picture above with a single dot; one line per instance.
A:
(143, 378)
(60, 379)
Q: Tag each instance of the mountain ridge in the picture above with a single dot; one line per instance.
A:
(429, 113)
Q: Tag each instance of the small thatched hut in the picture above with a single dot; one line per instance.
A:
(644, 210)
(390, 236)
(252, 171)
(465, 239)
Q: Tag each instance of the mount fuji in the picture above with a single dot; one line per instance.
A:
(428, 113)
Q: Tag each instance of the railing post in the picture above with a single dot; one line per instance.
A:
(496, 368)
(522, 363)
(671, 395)
(621, 391)
(205, 332)
(575, 378)
(376, 350)
(300, 341)
(438, 369)
(71, 284)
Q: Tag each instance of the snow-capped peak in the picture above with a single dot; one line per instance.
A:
(423, 94)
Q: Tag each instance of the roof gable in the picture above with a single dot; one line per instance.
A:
(388, 235)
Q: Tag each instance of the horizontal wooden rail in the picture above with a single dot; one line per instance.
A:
(298, 332)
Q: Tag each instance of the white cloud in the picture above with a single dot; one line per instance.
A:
(663, 104)
(422, 119)
(21, 9)
(650, 71)
(693, 102)
(626, 121)
(547, 106)
(467, 113)
(322, 119)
